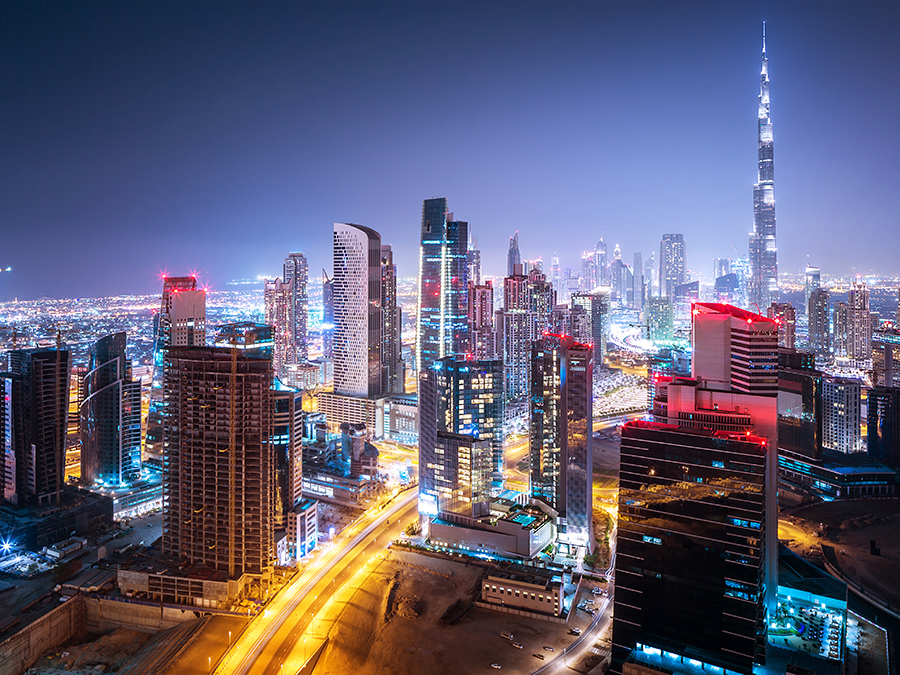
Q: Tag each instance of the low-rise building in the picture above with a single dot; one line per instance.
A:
(520, 533)
(533, 589)
(303, 528)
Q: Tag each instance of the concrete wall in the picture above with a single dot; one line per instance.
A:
(106, 614)
(20, 651)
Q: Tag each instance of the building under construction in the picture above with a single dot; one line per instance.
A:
(219, 466)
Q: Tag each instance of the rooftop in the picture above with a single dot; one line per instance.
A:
(736, 312)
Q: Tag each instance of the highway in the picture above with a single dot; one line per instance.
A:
(268, 643)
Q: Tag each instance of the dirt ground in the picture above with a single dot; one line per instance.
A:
(849, 527)
(389, 621)
(112, 650)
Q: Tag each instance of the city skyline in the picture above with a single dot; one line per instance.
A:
(246, 131)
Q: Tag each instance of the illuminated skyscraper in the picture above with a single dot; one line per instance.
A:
(671, 264)
(327, 316)
(817, 311)
(481, 320)
(561, 432)
(786, 318)
(357, 311)
(474, 261)
(37, 388)
(513, 257)
(763, 289)
(296, 273)
(393, 375)
(278, 297)
(859, 336)
(601, 264)
(813, 283)
(110, 416)
(842, 415)
(218, 472)
(443, 326)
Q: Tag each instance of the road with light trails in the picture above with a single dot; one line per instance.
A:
(261, 640)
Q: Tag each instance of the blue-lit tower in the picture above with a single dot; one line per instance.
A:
(763, 252)
(443, 326)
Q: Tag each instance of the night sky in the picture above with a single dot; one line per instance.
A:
(216, 137)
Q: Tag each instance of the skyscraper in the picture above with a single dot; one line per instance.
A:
(110, 416)
(474, 261)
(219, 468)
(296, 273)
(327, 316)
(357, 311)
(859, 322)
(35, 424)
(763, 252)
(460, 435)
(786, 318)
(842, 414)
(278, 298)
(561, 432)
(813, 283)
(671, 264)
(637, 288)
(593, 327)
(721, 267)
(513, 257)
(690, 558)
(442, 325)
(515, 330)
(481, 320)
(817, 311)
(393, 375)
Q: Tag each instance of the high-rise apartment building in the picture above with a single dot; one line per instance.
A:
(460, 435)
(541, 298)
(515, 331)
(327, 316)
(442, 325)
(813, 283)
(734, 349)
(296, 273)
(671, 264)
(278, 298)
(601, 263)
(886, 357)
(287, 453)
(35, 418)
(474, 261)
(593, 328)
(561, 432)
(637, 285)
(513, 257)
(393, 375)
(481, 320)
(110, 416)
(660, 319)
(357, 311)
(786, 318)
(219, 466)
(763, 289)
(721, 267)
(691, 578)
(883, 424)
(819, 330)
(859, 322)
(842, 415)
(589, 271)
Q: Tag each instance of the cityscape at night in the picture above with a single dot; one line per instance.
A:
(446, 338)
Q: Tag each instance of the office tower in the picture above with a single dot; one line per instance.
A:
(637, 288)
(763, 289)
(513, 257)
(601, 263)
(721, 267)
(842, 415)
(35, 424)
(728, 289)
(110, 416)
(278, 298)
(589, 271)
(442, 324)
(515, 330)
(357, 311)
(734, 349)
(393, 375)
(841, 335)
(555, 273)
(561, 429)
(481, 320)
(287, 452)
(786, 318)
(883, 424)
(592, 329)
(218, 469)
(660, 320)
(671, 263)
(181, 322)
(859, 322)
(7, 442)
(473, 256)
(541, 299)
(327, 316)
(515, 291)
(619, 281)
(813, 283)
(460, 435)
(817, 311)
(800, 413)
(886, 357)
(683, 296)
(649, 271)
(741, 267)
(690, 559)
(296, 273)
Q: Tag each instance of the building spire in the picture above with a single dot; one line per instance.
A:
(764, 37)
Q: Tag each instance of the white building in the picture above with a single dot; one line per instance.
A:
(841, 415)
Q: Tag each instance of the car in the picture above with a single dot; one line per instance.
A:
(575, 631)
(596, 591)
(517, 645)
(496, 666)
(538, 656)
(548, 649)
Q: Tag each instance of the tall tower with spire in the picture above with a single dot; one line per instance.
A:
(763, 253)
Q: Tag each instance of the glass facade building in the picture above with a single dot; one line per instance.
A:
(690, 556)
(110, 416)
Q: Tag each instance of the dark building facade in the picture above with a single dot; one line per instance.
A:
(690, 568)
(883, 425)
(110, 416)
(561, 433)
